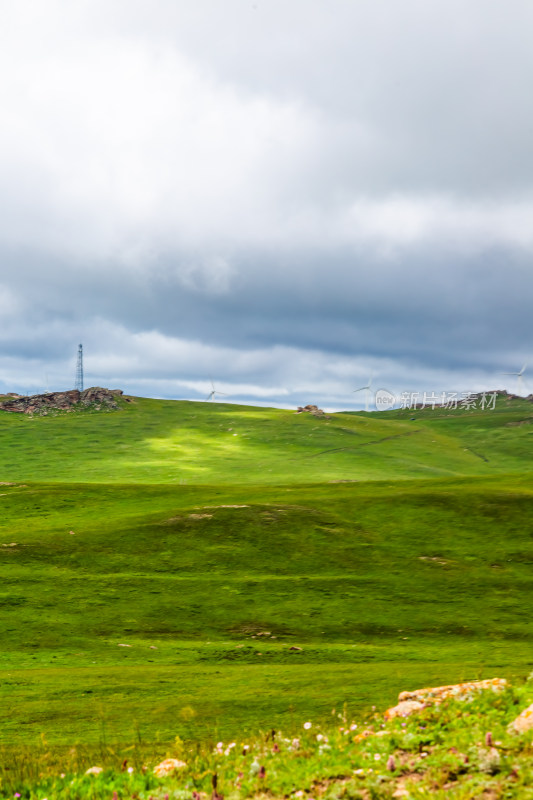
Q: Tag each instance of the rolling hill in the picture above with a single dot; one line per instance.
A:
(203, 570)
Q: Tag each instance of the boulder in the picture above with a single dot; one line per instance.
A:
(404, 709)
(523, 722)
(168, 766)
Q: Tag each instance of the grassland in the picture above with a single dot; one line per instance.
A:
(158, 563)
(460, 749)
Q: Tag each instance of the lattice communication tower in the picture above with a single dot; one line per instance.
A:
(79, 370)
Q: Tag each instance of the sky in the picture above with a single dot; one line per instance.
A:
(283, 199)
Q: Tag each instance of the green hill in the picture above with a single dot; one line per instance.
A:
(203, 570)
(161, 441)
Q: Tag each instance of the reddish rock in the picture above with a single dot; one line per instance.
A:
(411, 702)
(310, 409)
(404, 709)
(436, 694)
(168, 766)
(524, 721)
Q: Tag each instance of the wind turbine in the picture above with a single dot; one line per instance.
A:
(213, 392)
(368, 391)
(519, 379)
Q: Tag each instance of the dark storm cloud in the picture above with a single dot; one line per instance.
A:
(288, 195)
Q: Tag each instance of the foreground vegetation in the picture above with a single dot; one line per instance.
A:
(207, 571)
(461, 749)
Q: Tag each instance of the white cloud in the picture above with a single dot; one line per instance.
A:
(10, 304)
(115, 148)
(286, 196)
(455, 222)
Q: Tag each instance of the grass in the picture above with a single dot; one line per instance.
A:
(156, 569)
(157, 441)
(463, 749)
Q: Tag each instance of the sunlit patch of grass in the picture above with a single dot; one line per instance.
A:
(270, 445)
(163, 564)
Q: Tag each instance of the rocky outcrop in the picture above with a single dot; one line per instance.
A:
(43, 404)
(523, 723)
(315, 410)
(410, 702)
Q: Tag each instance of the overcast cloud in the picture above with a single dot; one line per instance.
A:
(286, 196)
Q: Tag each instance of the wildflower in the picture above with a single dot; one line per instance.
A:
(262, 772)
(130, 770)
(377, 756)
(319, 737)
(391, 764)
(275, 748)
(255, 767)
(294, 745)
(307, 725)
(90, 771)
(353, 726)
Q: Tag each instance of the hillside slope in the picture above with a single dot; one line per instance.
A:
(206, 569)
(159, 441)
